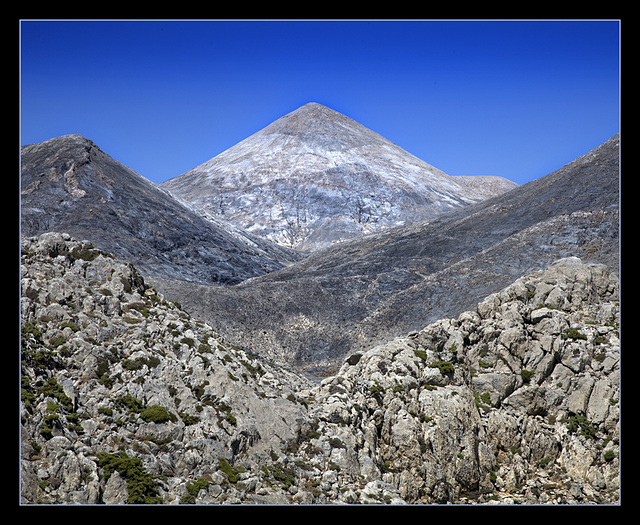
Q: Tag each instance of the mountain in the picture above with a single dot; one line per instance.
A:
(127, 398)
(70, 185)
(366, 291)
(315, 177)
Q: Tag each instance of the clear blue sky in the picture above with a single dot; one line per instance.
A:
(517, 99)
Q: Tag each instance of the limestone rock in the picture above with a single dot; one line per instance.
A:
(127, 398)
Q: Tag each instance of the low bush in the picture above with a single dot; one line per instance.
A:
(130, 403)
(231, 473)
(156, 414)
(421, 354)
(141, 486)
(579, 423)
(192, 490)
(526, 375)
(445, 367)
(573, 333)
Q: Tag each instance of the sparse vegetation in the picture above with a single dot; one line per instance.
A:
(573, 333)
(580, 424)
(141, 486)
(233, 475)
(156, 414)
(445, 367)
(420, 353)
(193, 488)
(126, 384)
(526, 375)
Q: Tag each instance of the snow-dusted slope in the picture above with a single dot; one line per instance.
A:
(314, 177)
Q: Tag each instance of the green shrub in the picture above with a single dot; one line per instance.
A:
(445, 367)
(30, 328)
(188, 419)
(376, 389)
(484, 364)
(26, 394)
(46, 431)
(609, 455)
(231, 473)
(421, 354)
(57, 341)
(69, 324)
(526, 375)
(230, 418)
(141, 486)
(193, 488)
(284, 475)
(156, 414)
(204, 348)
(130, 403)
(53, 389)
(139, 362)
(573, 333)
(579, 422)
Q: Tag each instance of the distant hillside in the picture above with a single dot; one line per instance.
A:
(68, 184)
(315, 177)
(386, 285)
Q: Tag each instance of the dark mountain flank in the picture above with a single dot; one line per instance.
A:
(70, 185)
(366, 291)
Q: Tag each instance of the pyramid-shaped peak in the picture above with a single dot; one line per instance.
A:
(312, 111)
(315, 107)
(311, 105)
(316, 176)
(313, 120)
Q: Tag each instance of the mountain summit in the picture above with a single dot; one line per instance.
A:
(316, 176)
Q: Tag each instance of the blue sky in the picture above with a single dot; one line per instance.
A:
(517, 99)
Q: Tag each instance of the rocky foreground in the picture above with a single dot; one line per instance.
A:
(128, 399)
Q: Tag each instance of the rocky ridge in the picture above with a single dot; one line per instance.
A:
(68, 184)
(126, 398)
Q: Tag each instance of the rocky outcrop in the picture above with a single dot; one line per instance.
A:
(126, 398)
(110, 367)
(516, 401)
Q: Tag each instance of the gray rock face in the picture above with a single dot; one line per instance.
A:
(491, 406)
(126, 398)
(110, 367)
(69, 185)
(315, 177)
